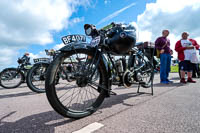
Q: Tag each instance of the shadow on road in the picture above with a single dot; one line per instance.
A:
(47, 121)
(175, 78)
(169, 85)
(17, 94)
(38, 123)
(21, 86)
(119, 99)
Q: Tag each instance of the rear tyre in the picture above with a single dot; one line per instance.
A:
(148, 75)
(146, 72)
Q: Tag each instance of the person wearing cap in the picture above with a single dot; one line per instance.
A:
(184, 48)
(163, 44)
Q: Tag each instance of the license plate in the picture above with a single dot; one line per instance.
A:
(95, 41)
(37, 60)
(73, 38)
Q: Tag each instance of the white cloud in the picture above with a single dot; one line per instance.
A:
(7, 58)
(144, 36)
(30, 21)
(26, 22)
(41, 54)
(106, 1)
(58, 46)
(77, 20)
(175, 15)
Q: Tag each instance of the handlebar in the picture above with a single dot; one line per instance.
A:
(90, 29)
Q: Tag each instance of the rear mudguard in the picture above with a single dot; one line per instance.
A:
(81, 45)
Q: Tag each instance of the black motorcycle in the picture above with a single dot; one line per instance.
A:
(37, 74)
(14, 77)
(85, 94)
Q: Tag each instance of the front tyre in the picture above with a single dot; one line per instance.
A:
(36, 77)
(11, 78)
(83, 95)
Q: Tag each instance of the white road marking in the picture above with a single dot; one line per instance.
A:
(90, 128)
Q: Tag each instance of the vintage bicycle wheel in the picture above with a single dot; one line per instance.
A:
(84, 94)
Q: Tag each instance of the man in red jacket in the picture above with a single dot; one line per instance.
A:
(184, 48)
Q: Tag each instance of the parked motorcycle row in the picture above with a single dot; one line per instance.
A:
(78, 77)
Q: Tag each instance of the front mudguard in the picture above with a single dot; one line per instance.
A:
(81, 45)
(74, 46)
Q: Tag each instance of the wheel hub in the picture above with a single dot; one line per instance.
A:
(127, 79)
(82, 81)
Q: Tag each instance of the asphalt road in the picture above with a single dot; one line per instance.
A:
(173, 108)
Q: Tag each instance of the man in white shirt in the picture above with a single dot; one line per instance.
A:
(185, 47)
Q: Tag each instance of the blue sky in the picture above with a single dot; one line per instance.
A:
(35, 25)
(93, 14)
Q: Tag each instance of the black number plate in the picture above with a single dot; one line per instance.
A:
(73, 38)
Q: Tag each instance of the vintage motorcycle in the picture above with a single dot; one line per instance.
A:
(14, 77)
(85, 94)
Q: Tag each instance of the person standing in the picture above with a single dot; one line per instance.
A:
(185, 47)
(163, 44)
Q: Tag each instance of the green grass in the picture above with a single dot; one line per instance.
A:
(174, 69)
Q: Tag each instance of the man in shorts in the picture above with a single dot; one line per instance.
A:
(184, 48)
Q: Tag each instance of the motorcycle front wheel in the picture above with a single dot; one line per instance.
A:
(83, 94)
(11, 78)
(36, 77)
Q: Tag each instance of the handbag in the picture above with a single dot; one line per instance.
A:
(158, 51)
(195, 57)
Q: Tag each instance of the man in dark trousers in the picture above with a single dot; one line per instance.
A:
(163, 44)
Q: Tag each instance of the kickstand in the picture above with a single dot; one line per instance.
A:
(138, 90)
(152, 88)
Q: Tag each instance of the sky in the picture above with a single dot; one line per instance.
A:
(35, 25)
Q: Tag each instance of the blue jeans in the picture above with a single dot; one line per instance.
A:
(165, 63)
